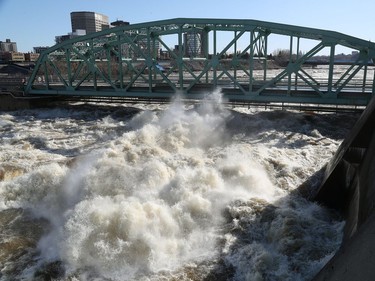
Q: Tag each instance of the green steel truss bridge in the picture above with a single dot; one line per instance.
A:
(156, 60)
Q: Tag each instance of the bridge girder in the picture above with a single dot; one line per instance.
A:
(208, 53)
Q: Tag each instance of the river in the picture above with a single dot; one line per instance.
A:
(165, 192)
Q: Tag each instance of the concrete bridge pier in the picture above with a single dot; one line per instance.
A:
(9, 102)
(349, 186)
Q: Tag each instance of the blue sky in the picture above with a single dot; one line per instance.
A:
(36, 23)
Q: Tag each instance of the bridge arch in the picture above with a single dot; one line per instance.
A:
(232, 54)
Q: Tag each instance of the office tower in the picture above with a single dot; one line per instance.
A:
(89, 21)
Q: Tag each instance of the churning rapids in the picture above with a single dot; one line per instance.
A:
(165, 192)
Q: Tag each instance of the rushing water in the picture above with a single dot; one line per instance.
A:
(165, 192)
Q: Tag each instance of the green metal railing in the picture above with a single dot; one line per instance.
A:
(127, 61)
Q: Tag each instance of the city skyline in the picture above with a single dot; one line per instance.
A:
(45, 19)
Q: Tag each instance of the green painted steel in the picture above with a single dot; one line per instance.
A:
(207, 54)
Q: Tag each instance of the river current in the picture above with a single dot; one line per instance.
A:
(165, 192)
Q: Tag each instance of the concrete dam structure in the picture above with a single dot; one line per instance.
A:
(349, 187)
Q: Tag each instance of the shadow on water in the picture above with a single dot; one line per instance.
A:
(291, 239)
(20, 233)
(86, 112)
(259, 126)
(41, 144)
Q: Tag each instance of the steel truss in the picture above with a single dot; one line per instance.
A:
(126, 61)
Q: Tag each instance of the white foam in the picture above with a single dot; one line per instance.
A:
(152, 198)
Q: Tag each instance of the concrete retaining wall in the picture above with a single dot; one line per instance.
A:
(10, 102)
(349, 186)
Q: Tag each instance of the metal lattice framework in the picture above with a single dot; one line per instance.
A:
(126, 61)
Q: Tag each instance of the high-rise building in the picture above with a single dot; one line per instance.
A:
(89, 21)
(195, 43)
(8, 46)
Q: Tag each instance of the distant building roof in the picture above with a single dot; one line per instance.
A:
(119, 23)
